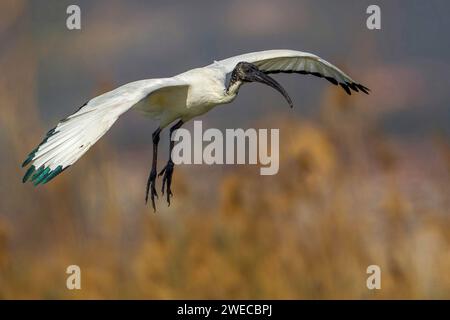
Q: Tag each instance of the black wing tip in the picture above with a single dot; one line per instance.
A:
(357, 87)
(27, 161)
(363, 88)
(33, 153)
(347, 86)
(332, 80)
(29, 172)
(29, 158)
(52, 174)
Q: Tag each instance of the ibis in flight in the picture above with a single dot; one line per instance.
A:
(177, 99)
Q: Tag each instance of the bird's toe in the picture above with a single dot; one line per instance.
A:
(167, 173)
(151, 189)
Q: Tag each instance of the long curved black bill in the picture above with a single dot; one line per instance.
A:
(261, 77)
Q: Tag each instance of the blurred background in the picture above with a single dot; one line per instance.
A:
(363, 179)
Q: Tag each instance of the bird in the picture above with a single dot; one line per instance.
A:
(177, 100)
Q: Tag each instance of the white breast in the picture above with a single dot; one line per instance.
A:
(206, 90)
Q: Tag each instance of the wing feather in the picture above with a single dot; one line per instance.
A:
(75, 135)
(290, 61)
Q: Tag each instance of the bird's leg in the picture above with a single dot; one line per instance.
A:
(167, 172)
(152, 177)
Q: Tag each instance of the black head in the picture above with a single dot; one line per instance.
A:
(244, 71)
(248, 72)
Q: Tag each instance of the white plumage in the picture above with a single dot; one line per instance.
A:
(181, 97)
(74, 135)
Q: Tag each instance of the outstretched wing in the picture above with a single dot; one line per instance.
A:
(74, 135)
(290, 61)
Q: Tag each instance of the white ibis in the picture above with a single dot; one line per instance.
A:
(182, 97)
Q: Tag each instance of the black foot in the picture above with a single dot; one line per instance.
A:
(167, 173)
(151, 188)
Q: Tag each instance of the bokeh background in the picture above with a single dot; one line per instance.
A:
(363, 179)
